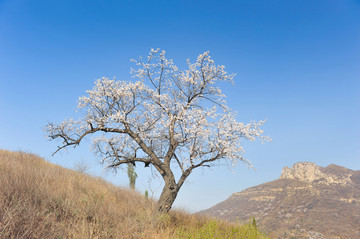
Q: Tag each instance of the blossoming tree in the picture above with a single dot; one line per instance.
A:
(173, 120)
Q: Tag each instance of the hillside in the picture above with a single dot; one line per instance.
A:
(307, 201)
(42, 200)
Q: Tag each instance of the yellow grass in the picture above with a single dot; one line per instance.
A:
(42, 200)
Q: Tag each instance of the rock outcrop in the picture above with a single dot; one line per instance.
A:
(303, 171)
(310, 172)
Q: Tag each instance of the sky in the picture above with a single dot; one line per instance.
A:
(297, 64)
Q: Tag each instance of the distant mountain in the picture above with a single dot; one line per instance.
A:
(307, 201)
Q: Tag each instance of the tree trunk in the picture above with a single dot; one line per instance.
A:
(168, 196)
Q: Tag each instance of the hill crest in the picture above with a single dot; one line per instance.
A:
(307, 201)
(39, 199)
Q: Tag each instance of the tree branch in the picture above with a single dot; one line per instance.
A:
(68, 141)
(179, 163)
(155, 160)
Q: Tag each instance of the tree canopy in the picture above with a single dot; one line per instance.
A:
(165, 117)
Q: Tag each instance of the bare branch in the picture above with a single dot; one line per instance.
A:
(179, 163)
(67, 141)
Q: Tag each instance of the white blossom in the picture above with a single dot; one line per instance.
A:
(165, 114)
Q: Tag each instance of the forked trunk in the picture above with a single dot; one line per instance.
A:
(168, 196)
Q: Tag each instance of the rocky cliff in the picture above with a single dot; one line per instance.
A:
(310, 172)
(308, 201)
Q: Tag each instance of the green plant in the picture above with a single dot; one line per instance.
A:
(253, 222)
(132, 175)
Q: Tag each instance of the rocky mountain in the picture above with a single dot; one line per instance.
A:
(308, 201)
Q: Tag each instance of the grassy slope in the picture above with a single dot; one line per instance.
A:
(42, 200)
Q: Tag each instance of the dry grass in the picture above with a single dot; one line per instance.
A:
(42, 200)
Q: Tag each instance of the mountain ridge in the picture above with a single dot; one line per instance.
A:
(307, 201)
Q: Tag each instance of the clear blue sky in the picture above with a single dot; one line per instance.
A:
(297, 64)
